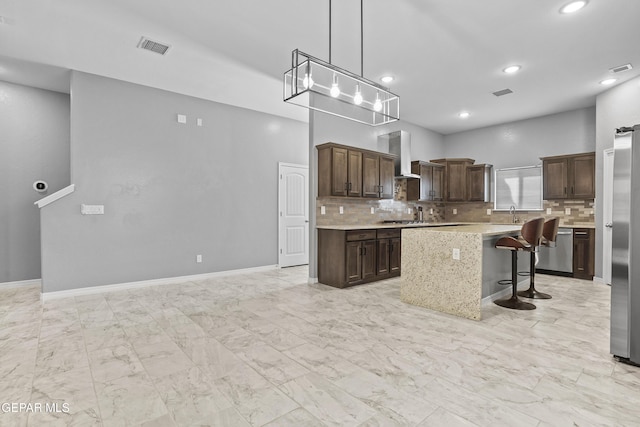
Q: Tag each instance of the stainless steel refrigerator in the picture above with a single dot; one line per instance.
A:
(625, 257)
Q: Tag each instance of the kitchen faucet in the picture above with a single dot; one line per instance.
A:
(512, 211)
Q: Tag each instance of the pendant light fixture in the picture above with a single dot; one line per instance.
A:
(369, 103)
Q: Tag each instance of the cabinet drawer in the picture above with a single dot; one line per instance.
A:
(389, 234)
(361, 235)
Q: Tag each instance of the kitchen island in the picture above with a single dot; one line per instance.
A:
(452, 268)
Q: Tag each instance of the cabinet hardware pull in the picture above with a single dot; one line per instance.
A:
(572, 192)
(565, 191)
(580, 233)
(346, 186)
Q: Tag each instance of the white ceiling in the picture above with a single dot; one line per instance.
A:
(447, 55)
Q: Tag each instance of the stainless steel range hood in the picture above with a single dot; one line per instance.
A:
(400, 145)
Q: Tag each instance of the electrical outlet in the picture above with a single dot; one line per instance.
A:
(431, 211)
(409, 210)
(567, 211)
(198, 258)
(323, 210)
(455, 211)
(199, 121)
(456, 253)
(488, 211)
(373, 210)
(548, 211)
(341, 210)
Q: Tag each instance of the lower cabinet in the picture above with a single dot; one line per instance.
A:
(583, 253)
(352, 257)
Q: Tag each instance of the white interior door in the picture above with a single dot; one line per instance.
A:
(293, 206)
(607, 213)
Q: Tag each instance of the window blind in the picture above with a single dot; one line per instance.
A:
(519, 187)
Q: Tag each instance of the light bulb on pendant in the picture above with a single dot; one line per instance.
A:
(335, 89)
(357, 98)
(377, 106)
(307, 82)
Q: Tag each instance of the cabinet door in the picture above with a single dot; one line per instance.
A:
(368, 258)
(582, 177)
(354, 261)
(370, 175)
(554, 177)
(437, 183)
(475, 183)
(457, 181)
(583, 253)
(339, 168)
(354, 173)
(394, 255)
(387, 172)
(426, 182)
(383, 257)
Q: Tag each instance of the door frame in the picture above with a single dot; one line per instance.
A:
(607, 204)
(280, 206)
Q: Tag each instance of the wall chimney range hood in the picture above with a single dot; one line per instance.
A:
(400, 145)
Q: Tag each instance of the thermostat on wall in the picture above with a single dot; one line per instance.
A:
(40, 186)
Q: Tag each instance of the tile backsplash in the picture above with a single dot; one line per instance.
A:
(358, 211)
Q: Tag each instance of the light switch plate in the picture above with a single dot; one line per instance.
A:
(488, 211)
(341, 210)
(455, 211)
(456, 253)
(431, 211)
(373, 210)
(182, 118)
(567, 211)
(198, 258)
(409, 210)
(323, 210)
(548, 211)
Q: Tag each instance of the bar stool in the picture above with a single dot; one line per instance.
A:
(549, 234)
(531, 233)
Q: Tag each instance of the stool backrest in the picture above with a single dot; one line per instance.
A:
(550, 229)
(532, 231)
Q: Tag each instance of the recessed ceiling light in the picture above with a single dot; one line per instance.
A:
(607, 82)
(574, 6)
(387, 79)
(464, 114)
(512, 69)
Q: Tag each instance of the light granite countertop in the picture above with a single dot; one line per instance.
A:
(446, 225)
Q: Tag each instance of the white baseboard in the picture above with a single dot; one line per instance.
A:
(599, 280)
(312, 280)
(47, 296)
(21, 283)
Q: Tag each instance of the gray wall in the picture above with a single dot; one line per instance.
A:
(34, 144)
(617, 107)
(171, 191)
(522, 143)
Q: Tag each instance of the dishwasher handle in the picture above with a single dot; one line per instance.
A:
(565, 233)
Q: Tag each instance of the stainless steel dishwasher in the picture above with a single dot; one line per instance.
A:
(557, 260)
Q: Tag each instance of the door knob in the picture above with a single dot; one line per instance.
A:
(609, 225)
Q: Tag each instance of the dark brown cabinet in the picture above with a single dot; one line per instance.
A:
(430, 186)
(347, 258)
(455, 173)
(479, 183)
(388, 252)
(569, 177)
(583, 253)
(350, 172)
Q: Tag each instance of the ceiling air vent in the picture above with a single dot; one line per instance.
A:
(503, 92)
(621, 68)
(156, 47)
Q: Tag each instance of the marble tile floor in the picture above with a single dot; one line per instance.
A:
(267, 349)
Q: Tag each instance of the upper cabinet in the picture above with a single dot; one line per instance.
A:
(352, 172)
(479, 183)
(430, 186)
(569, 177)
(455, 172)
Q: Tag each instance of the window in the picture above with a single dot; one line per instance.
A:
(519, 187)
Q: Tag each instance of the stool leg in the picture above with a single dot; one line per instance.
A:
(531, 292)
(513, 302)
